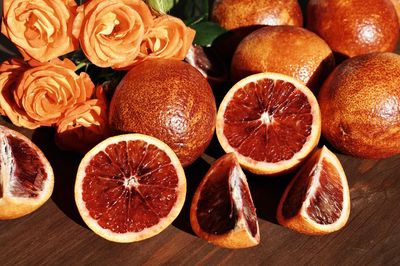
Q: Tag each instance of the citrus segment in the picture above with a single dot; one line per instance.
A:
(270, 121)
(222, 210)
(317, 200)
(130, 187)
(27, 178)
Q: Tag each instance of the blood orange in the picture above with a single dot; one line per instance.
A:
(354, 27)
(288, 50)
(317, 200)
(271, 121)
(360, 106)
(130, 187)
(26, 176)
(234, 14)
(222, 211)
(169, 100)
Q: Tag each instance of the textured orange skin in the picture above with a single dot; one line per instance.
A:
(234, 14)
(169, 100)
(396, 4)
(355, 27)
(360, 106)
(289, 50)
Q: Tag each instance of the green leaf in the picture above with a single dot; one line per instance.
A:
(162, 6)
(189, 9)
(207, 32)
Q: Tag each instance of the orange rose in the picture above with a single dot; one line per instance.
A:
(110, 31)
(168, 38)
(10, 72)
(41, 29)
(44, 93)
(84, 125)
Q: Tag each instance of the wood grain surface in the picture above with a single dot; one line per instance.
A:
(56, 235)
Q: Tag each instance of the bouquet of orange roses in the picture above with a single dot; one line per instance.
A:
(46, 88)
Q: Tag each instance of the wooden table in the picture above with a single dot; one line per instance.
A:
(55, 234)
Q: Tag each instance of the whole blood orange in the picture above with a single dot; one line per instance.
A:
(234, 14)
(289, 50)
(317, 200)
(26, 176)
(222, 211)
(396, 4)
(130, 187)
(169, 100)
(270, 121)
(360, 106)
(354, 27)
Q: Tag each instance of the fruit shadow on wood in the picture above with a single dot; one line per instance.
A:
(266, 192)
(194, 174)
(65, 165)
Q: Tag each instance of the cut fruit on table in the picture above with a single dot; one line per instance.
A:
(222, 210)
(317, 200)
(26, 179)
(130, 187)
(270, 121)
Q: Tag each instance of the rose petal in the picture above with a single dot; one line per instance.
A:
(110, 31)
(168, 38)
(40, 29)
(84, 125)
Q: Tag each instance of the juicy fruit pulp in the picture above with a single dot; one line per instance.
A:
(127, 180)
(26, 177)
(264, 113)
(130, 187)
(216, 210)
(222, 210)
(22, 165)
(268, 119)
(317, 200)
(326, 204)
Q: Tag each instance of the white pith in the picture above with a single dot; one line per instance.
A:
(236, 177)
(315, 184)
(147, 232)
(266, 119)
(266, 168)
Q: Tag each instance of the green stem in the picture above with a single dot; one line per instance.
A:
(206, 9)
(82, 65)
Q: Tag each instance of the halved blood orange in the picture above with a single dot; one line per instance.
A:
(270, 121)
(130, 187)
(317, 200)
(26, 176)
(222, 210)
